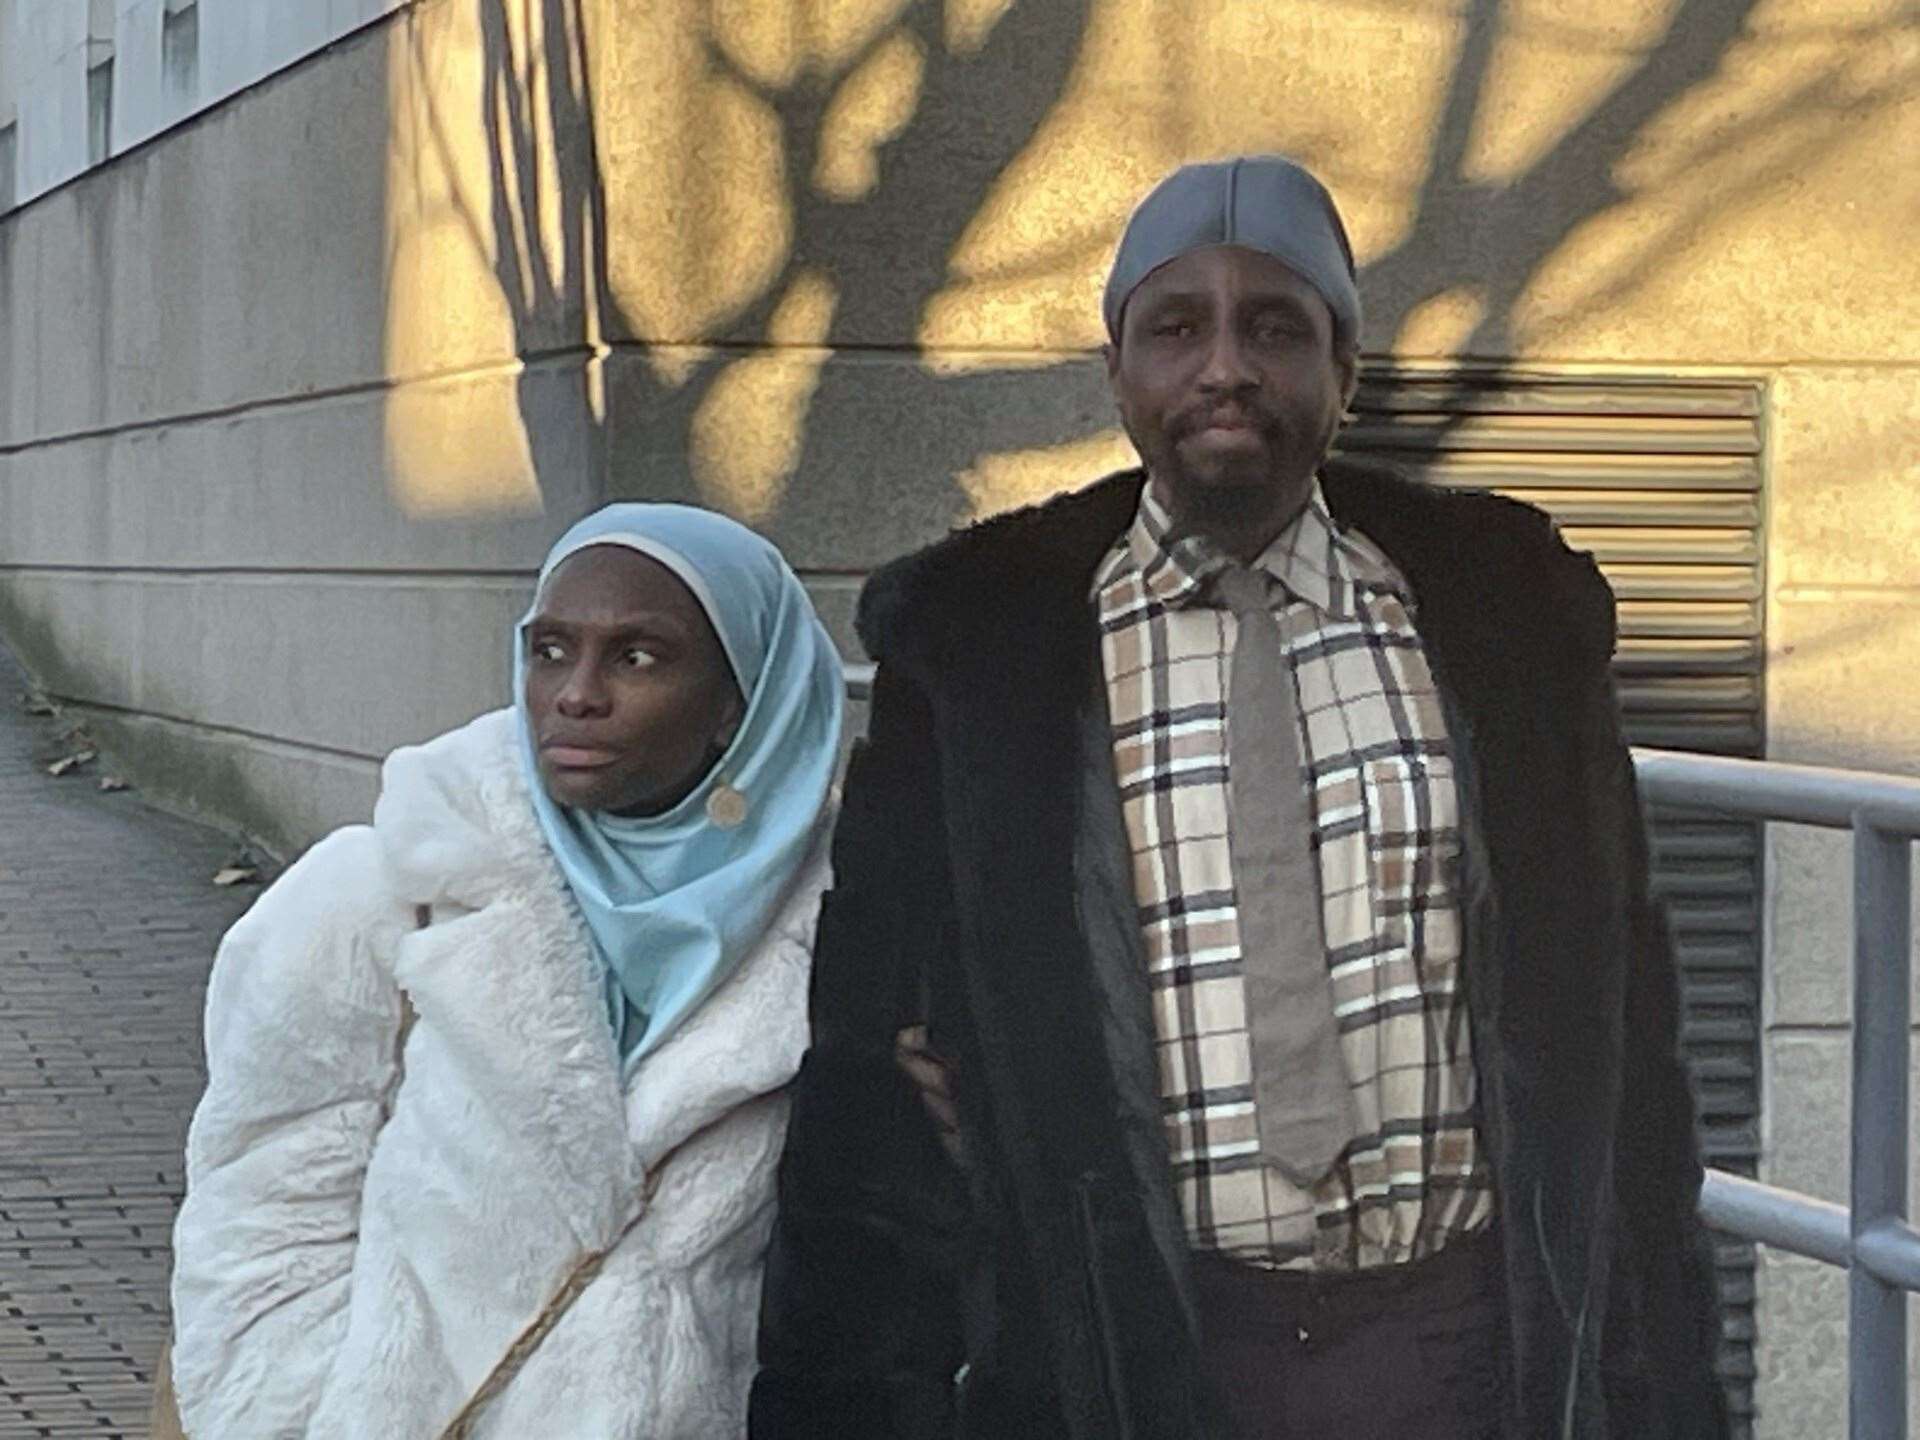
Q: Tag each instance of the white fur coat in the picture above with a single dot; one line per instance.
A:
(363, 1239)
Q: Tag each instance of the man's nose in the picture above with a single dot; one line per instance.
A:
(1226, 370)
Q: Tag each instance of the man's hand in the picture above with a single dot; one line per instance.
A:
(933, 1076)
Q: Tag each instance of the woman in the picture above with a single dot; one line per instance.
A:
(540, 1012)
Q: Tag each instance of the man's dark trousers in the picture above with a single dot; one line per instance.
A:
(1404, 1352)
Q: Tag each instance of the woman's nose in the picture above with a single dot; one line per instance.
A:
(583, 695)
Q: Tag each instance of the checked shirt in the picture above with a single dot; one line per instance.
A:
(1386, 834)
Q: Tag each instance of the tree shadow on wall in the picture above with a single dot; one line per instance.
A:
(879, 256)
(1532, 214)
(882, 255)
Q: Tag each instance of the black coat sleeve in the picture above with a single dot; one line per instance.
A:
(1663, 1324)
(859, 1326)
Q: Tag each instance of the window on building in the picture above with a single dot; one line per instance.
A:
(9, 129)
(9, 144)
(99, 111)
(99, 80)
(180, 53)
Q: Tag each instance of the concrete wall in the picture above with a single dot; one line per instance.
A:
(280, 440)
(200, 545)
(1844, 626)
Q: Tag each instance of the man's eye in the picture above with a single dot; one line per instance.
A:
(547, 652)
(1276, 332)
(638, 658)
(1174, 329)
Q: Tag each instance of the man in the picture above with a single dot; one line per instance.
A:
(1255, 837)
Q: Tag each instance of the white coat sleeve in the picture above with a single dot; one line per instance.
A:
(302, 1025)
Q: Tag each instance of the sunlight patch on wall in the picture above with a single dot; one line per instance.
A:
(1021, 477)
(777, 41)
(455, 444)
(746, 437)
(765, 42)
(1440, 326)
(871, 107)
(674, 365)
(457, 449)
(695, 173)
(968, 23)
(980, 362)
(445, 304)
(1051, 307)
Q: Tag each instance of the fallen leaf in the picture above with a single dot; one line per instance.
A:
(72, 762)
(237, 875)
(112, 782)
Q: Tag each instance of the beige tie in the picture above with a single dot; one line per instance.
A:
(1307, 1114)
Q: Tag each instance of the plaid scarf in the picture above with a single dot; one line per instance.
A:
(1387, 841)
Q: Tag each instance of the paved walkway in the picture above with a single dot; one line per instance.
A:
(108, 923)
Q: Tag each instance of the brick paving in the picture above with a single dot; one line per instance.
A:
(108, 923)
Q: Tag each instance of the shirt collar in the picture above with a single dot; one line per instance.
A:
(1313, 559)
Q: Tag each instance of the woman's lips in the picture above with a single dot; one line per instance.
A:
(577, 757)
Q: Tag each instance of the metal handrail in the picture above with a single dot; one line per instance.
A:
(1784, 1219)
(1775, 790)
(1871, 1238)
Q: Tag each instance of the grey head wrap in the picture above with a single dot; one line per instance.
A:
(1266, 203)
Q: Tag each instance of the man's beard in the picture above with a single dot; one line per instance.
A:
(1246, 499)
(1222, 507)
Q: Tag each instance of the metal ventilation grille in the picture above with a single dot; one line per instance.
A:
(1661, 480)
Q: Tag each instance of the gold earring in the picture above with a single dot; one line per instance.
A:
(726, 806)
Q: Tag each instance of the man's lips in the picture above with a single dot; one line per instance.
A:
(1221, 422)
(1236, 437)
(577, 757)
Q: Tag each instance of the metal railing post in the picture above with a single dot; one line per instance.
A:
(1877, 1309)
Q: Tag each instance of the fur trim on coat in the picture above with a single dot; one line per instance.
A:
(363, 1238)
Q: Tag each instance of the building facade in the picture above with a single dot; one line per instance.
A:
(84, 80)
(320, 318)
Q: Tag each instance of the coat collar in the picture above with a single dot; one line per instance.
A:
(508, 942)
(1497, 590)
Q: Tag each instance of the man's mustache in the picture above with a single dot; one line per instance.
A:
(1232, 412)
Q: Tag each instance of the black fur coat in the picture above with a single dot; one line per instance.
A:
(982, 880)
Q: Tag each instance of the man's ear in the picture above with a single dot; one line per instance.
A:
(1110, 352)
(1347, 366)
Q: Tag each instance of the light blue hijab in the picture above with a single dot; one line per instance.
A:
(675, 901)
